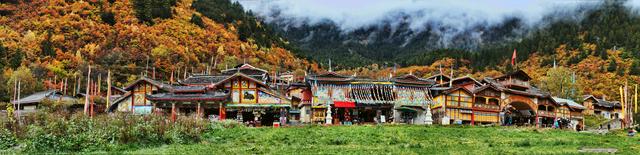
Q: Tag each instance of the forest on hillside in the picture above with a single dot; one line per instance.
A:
(611, 25)
(600, 50)
(44, 42)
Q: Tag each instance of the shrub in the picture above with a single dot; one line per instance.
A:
(7, 139)
(47, 132)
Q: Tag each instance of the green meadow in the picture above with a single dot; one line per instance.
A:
(398, 139)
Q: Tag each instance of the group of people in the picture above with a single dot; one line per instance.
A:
(560, 123)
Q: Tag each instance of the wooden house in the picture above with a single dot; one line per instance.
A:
(573, 111)
(348, 99)
(412, 99)
(31, 102)
(600, 106)
(241, 93)
(509, 99)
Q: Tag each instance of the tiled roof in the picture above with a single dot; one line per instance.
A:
(569, 102)
(412, 79)
(189, 88)
(118, 89)
(39, 96)
(209, 96)
(206, 79)
(245, 69)
(604, 103)
(532, 91)
(468, 78)
(330, 76)
(518, 73)
(150, 81)
(439, 74)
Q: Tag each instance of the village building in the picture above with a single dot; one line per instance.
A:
(339, 99)
(135, 100)
(241, 93)
(576, 112)
(31, 102)
(611, 110)
(249, 94)
(507, 100)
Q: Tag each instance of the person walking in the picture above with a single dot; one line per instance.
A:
(283, 116)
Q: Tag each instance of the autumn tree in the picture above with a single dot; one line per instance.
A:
(561, 82)
(28, 82)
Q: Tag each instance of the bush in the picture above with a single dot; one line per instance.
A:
(48, 132)
(594, 121)
(7, 139)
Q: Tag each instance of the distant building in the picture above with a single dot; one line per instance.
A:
(32, 102)
(611, 110)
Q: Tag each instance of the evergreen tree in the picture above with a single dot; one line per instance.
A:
(612, 66)
(47, 47)
(196, 19)
(635, 67)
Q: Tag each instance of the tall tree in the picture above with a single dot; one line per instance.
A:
(561, 82)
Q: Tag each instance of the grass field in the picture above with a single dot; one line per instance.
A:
(398, 140)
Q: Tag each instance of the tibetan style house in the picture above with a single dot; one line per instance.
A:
(242, 93)
(611, 110)
(340, 99)
(251, 95)
(508, 99)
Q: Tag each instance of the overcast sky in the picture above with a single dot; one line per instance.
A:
(351, 14)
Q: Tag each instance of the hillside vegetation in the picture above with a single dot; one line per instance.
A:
(58, 39)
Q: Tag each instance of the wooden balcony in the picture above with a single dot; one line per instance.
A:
(486, 107)
(543, 113)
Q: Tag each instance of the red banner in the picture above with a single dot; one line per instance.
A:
(344, 104)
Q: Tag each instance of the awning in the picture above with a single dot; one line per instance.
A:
(344, 104)
(409, 109)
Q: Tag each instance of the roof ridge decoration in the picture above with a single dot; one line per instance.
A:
(244, 66)
(158, 84)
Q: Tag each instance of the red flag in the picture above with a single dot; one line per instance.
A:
(513, 58)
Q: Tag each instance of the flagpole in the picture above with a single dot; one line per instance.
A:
(86, 95)
(108, 89)
(18, 98)
(635, 102)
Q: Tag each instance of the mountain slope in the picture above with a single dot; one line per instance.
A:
(58, 39)
(609, 25)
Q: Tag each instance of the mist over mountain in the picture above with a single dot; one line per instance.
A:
(386, 33)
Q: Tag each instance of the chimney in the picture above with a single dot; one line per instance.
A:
(604, 97)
